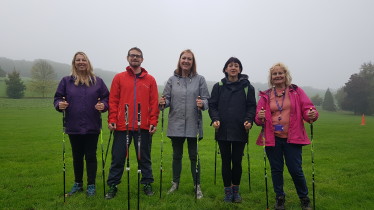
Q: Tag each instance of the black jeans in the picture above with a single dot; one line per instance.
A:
(292, 154)
(177, 143)
(119, 156)
(231, 155)
(84, 146)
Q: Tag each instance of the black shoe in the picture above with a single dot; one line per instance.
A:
(148, 190)
(305, 203)
(77, 187)
(279, 202)
(112, 192)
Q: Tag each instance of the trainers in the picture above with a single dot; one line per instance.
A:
(199, 193)
(77, 187)
(305, 203)
(174, 187)
(279, 202)
(236, 196)
(148, 189)
(112, 192)
(228, 195)
(91, 190)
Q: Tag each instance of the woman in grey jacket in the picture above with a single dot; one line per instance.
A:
(232, 109)
(186, 93)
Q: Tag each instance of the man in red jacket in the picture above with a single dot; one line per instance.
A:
(132, 88)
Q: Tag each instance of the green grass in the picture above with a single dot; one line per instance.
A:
(31, 166)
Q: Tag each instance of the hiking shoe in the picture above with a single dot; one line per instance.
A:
(279, 202)
(228, 195)
(198, 192)
(91, 190)
(236, 196)
(305, 203)
(77, 187)
(148, 189)
(112, 192)
(174, 187)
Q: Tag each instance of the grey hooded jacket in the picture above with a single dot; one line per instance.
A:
(181, 94)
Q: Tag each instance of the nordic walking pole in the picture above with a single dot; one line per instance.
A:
(265, 173)
(249, 163)
(197, 148)
(107, 148)
(102, 150)
(312, 153)
(127, 154)
(63, 150)
(162, 144)
(139, 146)
(215, 158)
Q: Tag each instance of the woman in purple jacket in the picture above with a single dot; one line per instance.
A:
(82, 96)
(281, 111)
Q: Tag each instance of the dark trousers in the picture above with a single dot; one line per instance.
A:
(119, 156)
(84, 146)
(292, 154)
(231, 156)
(177, 143)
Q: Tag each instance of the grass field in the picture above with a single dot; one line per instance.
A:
(31, 166)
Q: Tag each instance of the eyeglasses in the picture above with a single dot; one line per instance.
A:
(135, 56)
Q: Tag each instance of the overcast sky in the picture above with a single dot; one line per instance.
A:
(322, 42)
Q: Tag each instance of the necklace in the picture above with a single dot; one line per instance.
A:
(279, 95)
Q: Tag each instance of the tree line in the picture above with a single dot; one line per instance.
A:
(356, 95)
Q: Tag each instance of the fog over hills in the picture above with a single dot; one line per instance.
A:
(62, 69)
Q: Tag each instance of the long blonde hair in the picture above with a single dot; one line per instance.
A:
(286, 73)
(85, 78)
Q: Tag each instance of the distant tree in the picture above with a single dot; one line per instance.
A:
(2, 72)
(328, 102)
(340, 97)
(317, 100)
(15, 87)
(43, 78)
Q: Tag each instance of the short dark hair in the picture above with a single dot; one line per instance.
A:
(134, 48)
(232, 60)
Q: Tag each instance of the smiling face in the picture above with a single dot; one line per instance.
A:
(278, 77)
(135, 58)
(186, 61)
(233, 69)
(81, 63)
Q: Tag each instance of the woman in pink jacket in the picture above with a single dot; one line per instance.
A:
(281, 111)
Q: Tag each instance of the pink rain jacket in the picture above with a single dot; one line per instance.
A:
(300, 105)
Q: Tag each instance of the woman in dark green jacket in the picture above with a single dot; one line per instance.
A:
(232, 108)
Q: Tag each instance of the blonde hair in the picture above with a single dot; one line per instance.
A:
(85, 78)
(286, 73)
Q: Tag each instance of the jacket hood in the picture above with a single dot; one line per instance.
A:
(131, 72)
(242, 78)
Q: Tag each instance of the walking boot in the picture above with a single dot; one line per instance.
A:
(305, 203)
(279, 202)
(228, 195)
(91, 190)
(236, 196)
(112, 192)
(77, 187)
(148, 189)
(199, 193)
(174, 187)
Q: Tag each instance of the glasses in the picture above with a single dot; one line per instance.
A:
(135, 56)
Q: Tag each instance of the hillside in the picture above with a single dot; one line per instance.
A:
(24, 67)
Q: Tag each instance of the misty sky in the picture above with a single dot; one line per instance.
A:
(322, 42)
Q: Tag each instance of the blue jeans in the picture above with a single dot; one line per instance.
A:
(292, 154)
(119, 156)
